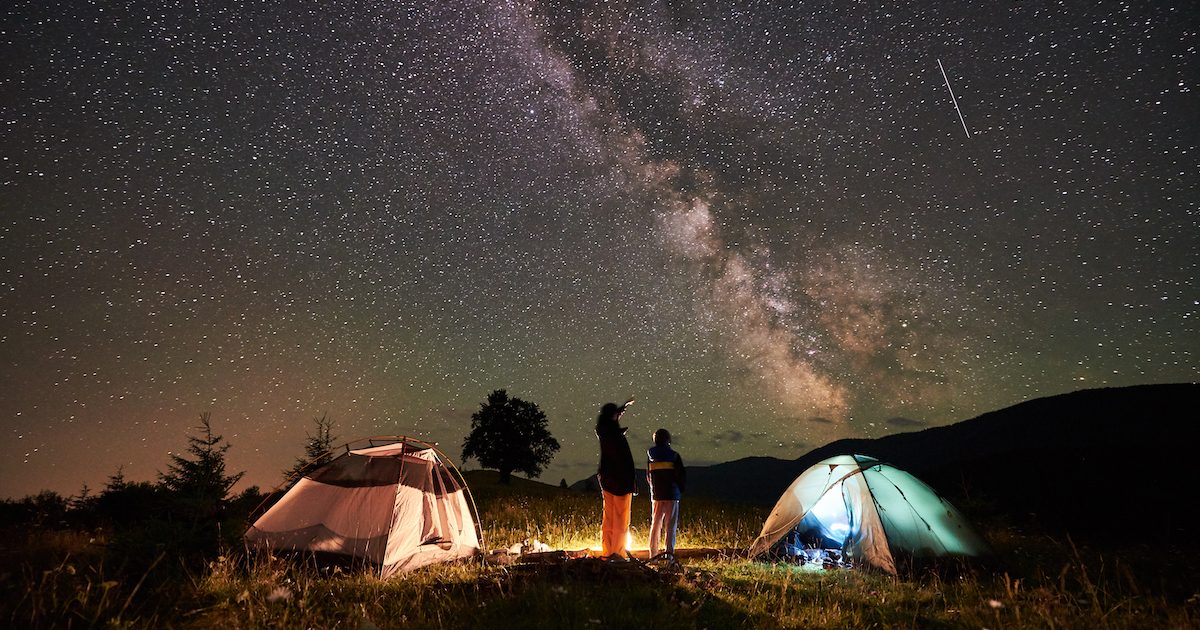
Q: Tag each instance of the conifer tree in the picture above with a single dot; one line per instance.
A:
(200, 485)
(316, 451)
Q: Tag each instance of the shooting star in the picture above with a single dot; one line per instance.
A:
(951, 90)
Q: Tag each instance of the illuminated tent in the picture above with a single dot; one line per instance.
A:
(869, 510)
(397, 506)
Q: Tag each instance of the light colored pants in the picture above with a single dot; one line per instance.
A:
(615, 530)
(666, 517)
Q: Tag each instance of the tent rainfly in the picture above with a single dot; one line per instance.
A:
(397, 506)
(869, 510)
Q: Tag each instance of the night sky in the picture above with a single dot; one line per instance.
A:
(769, 222)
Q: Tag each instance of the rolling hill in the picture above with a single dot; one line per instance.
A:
(1113, 462)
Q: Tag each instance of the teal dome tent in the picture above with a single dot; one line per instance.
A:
(869, 510)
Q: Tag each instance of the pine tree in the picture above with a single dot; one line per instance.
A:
(121, 503)
(316, 451)
(200, 485)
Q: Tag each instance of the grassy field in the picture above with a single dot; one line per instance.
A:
(64, 579)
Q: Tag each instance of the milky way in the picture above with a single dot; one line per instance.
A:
(764, 222)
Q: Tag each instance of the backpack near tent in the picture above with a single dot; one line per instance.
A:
(868, 510)
(396, 506)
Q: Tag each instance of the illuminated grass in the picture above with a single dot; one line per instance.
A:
(569, 520)
(63, 580)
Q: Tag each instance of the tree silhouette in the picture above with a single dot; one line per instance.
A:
(510, 435)
(122, 503)
(316, 451)
(200, 485)
(194, 491)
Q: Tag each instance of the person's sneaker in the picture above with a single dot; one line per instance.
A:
(616, 558)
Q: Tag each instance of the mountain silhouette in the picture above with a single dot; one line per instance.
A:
(1113, 462)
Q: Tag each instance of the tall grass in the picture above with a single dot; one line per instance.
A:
(565, 519)
(67, 580)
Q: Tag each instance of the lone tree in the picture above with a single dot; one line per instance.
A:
(510, 435)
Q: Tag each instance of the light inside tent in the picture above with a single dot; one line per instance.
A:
(830, 511)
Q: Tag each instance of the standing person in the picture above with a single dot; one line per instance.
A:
(616, 477)
(667, 478)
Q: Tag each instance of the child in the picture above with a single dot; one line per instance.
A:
(666, 476)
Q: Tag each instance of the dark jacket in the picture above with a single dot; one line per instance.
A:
(665, 473)
(616, 460)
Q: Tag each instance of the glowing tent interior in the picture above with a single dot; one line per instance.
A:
(397, 506)
(869, 510)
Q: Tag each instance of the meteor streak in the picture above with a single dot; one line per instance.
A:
(955, 100)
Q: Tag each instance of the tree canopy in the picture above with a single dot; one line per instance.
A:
(510, 435)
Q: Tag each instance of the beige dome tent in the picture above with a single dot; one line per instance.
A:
(869, 510)
(397, 506)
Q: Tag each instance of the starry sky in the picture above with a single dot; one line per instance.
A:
(774, 224)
